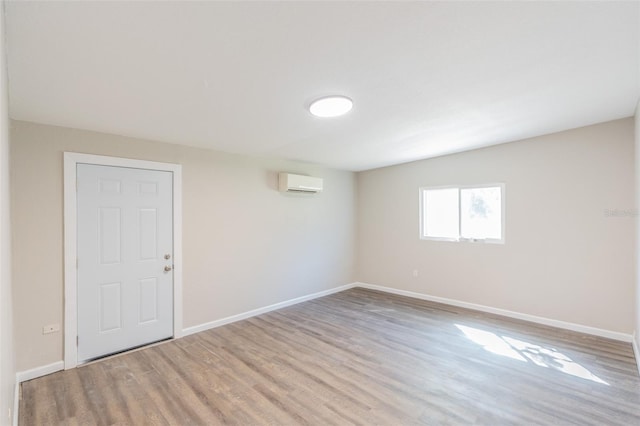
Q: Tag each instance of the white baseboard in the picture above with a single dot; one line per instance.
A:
(217, 323)
(517, 315)
(16, 404)
(34, 373)
(22, 376)
(636, 350)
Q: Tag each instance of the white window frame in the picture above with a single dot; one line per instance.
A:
(503, 204)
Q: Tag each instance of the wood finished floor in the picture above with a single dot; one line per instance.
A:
(356, 357)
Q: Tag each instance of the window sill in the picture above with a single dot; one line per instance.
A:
(464, 240)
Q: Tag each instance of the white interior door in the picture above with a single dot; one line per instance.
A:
(125, 258)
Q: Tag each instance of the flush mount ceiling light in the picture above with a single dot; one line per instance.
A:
(331, 106)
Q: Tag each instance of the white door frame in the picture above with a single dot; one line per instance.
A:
(71, 160)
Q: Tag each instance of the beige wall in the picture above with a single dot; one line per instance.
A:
(7, 371)
(245, 245)
(563, 259)
(637, 195)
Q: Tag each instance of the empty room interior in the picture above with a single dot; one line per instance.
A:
(319, 213)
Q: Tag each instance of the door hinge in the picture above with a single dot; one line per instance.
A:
(77, 340)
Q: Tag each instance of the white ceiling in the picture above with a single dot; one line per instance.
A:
(427, 78)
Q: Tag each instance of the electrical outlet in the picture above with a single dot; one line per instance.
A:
(415, 272)
(51, 328)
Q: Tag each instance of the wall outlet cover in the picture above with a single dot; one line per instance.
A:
(51, 328)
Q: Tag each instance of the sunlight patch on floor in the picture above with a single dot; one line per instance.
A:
(528, 352)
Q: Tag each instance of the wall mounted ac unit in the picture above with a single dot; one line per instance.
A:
(297, 183)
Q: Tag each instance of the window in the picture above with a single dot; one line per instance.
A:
(471, 213)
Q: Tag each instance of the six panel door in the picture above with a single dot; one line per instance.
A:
(125, 258)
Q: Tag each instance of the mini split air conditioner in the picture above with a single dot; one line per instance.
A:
(297, 183)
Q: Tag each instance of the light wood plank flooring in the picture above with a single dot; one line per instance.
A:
(356, 357)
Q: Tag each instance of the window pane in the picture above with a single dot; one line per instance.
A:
(481, 213)
(441, 213)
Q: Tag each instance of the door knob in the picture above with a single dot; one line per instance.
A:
(167, 268)
(167, 256)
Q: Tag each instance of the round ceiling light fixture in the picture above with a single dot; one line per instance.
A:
(331, 106)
